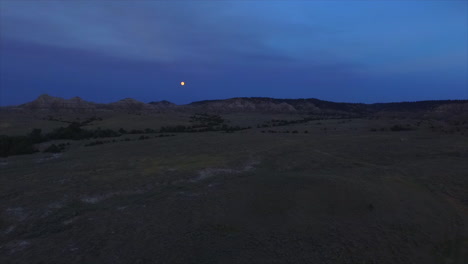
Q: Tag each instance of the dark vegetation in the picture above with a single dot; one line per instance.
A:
(56, 148)
(284, 131)
(203, 123)
(97, 142)
(206, 120)
(142, 137)
(77, 121)
(75, 132)
(200, 123)
(279, 122)
(394, 128)
(282, 122)
(401, 128)
(18, 145)
(446, 127)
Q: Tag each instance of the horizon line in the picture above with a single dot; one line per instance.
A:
(237, 97)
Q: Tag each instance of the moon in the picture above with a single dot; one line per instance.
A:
(182, 83)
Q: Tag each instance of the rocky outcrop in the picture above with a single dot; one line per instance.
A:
(251, 104)
(47, 102)
(456, 111)
(271, 105)
(242, 105)
(128, 104)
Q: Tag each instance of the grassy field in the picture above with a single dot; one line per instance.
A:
(339, 193)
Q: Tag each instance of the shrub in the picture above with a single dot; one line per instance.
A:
(399, 128)
(136, 131)
(178, 128)
(36, 135)
(54, 148)
(149, 131)
(16, 145)
(102, 133)
(94, 143)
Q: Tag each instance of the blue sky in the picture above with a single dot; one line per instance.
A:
(353, 51)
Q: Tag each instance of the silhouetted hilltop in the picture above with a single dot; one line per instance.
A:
(128, 104)
(312, 105)
(163, 104)
(247, 104)
(47, 102)
(413, 106)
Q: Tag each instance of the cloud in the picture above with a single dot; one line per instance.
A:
(157, 30)
(281, 43)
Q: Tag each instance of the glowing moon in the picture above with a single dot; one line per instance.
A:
(182, 83)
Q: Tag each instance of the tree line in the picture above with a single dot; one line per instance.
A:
(17, 145)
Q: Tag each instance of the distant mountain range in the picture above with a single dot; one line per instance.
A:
(241, 104)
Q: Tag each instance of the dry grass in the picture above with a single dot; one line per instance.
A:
(344, 195)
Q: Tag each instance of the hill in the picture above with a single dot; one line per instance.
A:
(243, 105)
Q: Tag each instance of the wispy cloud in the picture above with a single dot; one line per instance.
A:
(298, 44)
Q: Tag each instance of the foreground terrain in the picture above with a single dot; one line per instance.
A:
(327, 191)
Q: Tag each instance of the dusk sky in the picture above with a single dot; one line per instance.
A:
(347, 51)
